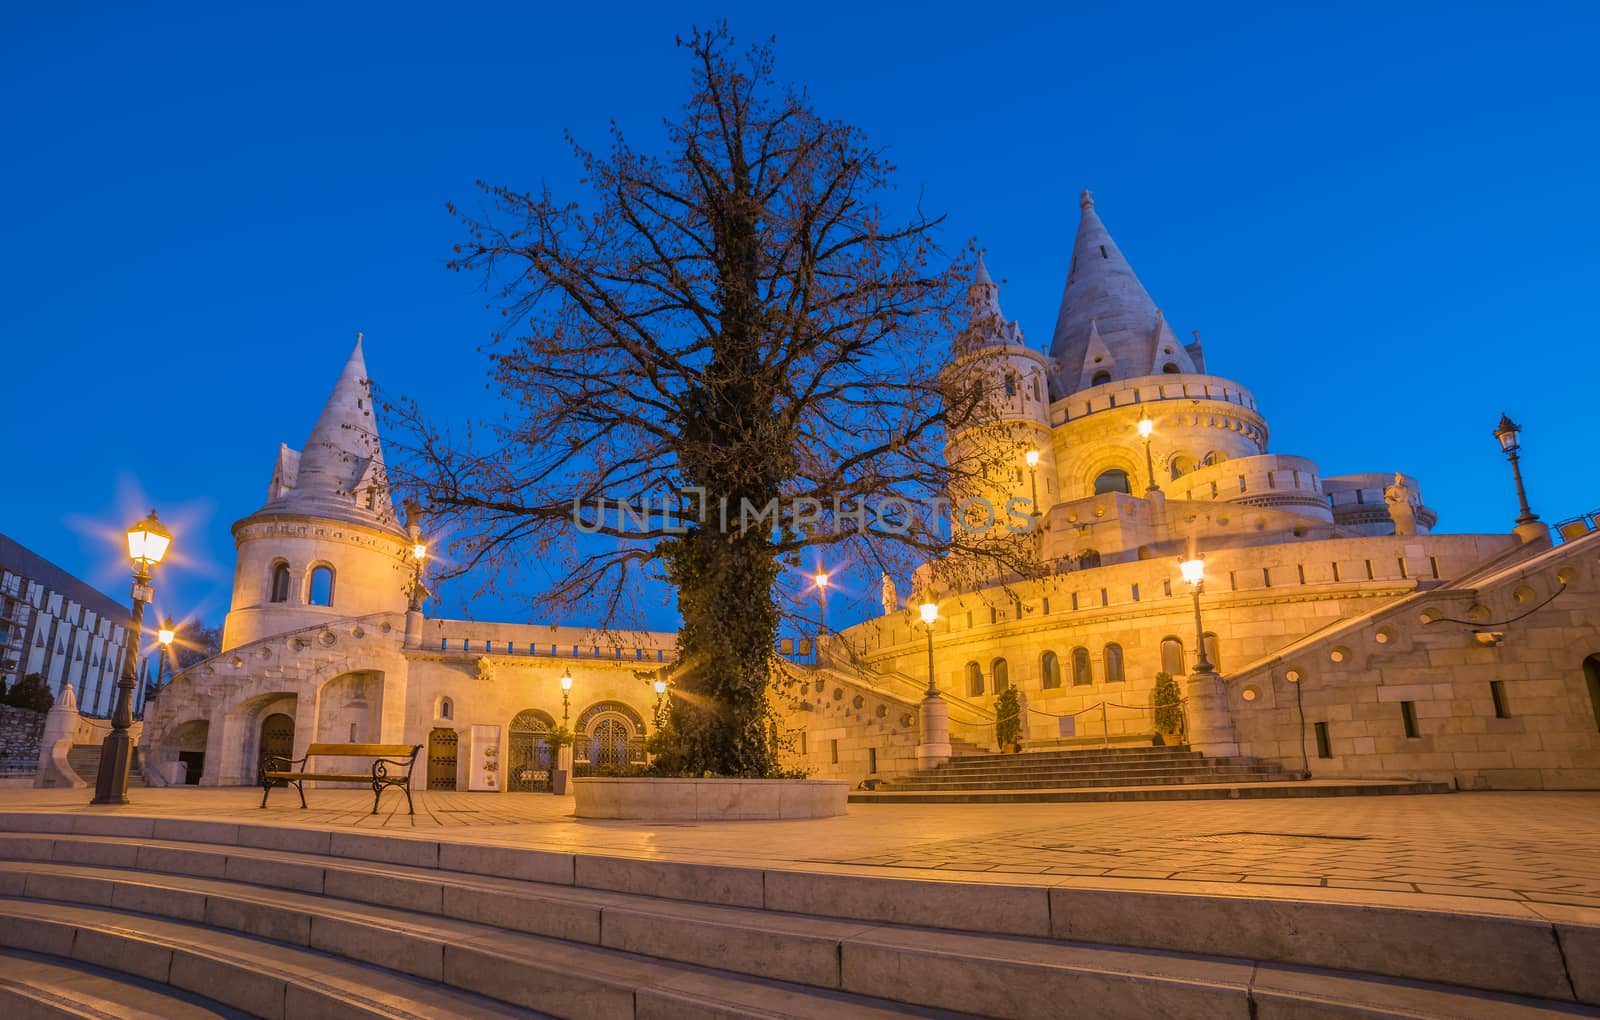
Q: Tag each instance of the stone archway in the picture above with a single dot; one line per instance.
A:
(277, 738)
(529, 754)
(609, 736)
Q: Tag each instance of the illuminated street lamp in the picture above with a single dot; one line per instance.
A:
(930, 613)
(566, 695)
(822, 593)
(1507, 432)
(1146, 426)
(1032, 457)
(417, 592)
(1194, 571)
(165, 636)
(661, 701)
(147, 544)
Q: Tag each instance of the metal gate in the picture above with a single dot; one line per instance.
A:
(442, 759)
(277, 737)
(531, 757)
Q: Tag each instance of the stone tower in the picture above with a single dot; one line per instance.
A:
(990, 458)
(327, 544)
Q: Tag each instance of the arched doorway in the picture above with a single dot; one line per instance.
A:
(442, 744)
(277, 738)
(530, 756)
(609, 736)
(1591, 677)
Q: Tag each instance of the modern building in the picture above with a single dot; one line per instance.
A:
(61, 628)
(1346, 636)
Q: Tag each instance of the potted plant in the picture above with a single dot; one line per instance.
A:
(1169, 710)
(560, 737)
(1008, 721)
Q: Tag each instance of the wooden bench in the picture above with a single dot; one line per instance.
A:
(388, 760)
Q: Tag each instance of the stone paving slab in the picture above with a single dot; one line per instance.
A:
(1501, 852)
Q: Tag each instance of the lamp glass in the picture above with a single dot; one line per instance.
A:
(1194, 571)
(1146, 426)
(148, 540)
(661, 686)
(566, 681)
(822, 579)
(1032, 457)
(1507, 432)
(166, 634)
(930, 612)
(420, 550)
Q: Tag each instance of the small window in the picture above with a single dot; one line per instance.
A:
(1011, 384)
(1214, 457)
(1181, 465)
(998, 670)
(1113, 664)
(1100, 378)
(1087, 560)
(1324, 745)
(1497, 691)
(446, 708)
(322, 586)
(872, 759)
(833, 751)
(974, 679)
(1408, 717)
(1172, 656)
(1049, 671)
(280, 583)
(1241, 483)
(1082, 675)
(1170, 368)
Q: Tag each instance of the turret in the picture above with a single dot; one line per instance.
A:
(326, 545)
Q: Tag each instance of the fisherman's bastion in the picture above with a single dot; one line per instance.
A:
(1347, 638)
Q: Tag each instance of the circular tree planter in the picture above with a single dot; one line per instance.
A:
(709, 800)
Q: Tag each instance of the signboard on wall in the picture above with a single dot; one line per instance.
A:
(1068, 726)
(484, 755)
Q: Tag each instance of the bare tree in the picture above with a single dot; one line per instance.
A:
(731, 341)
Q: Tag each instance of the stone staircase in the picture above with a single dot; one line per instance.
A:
(1109, 773)
(128, 916)
(85, 761)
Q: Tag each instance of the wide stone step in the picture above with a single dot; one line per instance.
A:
(1087, 784)
(1093, 772)
(867, 971)
(84, 759)
(1271, 788)
(1099, 754)
(35, 986)
(819, 924)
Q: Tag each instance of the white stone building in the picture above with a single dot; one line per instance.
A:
(1351, 638)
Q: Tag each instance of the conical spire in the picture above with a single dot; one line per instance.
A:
(986, 322)
(340, 471)
(1104, 296)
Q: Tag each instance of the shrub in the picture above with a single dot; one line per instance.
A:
(1007, 718)
(31, 692)
(1165, 699)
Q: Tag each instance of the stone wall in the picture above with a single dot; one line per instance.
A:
(20, 730)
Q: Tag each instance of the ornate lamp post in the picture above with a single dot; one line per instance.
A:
(1507, 432)
(1194, 571)
(1146, 426)
(1032, 457)
(661, 703)
(147, 544)
(165, 636)
(930, 613)
(822, 594)
(566, 696)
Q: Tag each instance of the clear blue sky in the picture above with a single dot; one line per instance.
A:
(1384, 224)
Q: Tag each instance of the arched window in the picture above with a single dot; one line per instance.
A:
(322, 586)
(1115, 480)
(997, 669)
(1213, 651)
(1049, 671)
(280, 583)
(1081, 674)
(1182, 464)
(1100, 378)
(1088, 559)
(1114, 670)
(1214, 457)
(974, 679)
(446, 708)
(1170, 368)
(1172, 656)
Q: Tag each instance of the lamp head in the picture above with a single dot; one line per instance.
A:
(1507, 432)
(660, 686)
(167, 632)
(566, 680)
(1194, 571)
(148, 540)
(1032, 457)
(821, 579)
(930, 612)
(1146, 426)
(420, 551)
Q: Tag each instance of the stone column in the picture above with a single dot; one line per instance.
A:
(414, 628)
(1210, 721)
(934, 730)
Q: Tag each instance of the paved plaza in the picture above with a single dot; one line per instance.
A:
(1478, 852)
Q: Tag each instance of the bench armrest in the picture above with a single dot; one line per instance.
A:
(380, 766)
